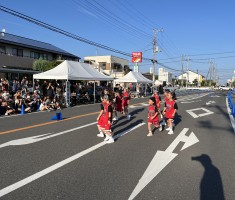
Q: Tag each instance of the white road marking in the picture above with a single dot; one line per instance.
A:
(194, 115)
(138, 106)
(210, 102)
(230, 115)
(162, 159)
(192, 97)
(190, 101)
(215, 96)
(58, 165)
(37, 138)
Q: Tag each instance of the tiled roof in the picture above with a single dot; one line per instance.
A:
(34, 44)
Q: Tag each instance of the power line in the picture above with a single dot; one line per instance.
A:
(63, 32)
(58, 30)
(112, 19)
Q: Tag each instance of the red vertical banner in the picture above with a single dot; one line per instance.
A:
(136, 57)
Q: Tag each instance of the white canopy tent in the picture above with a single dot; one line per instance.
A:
(133, 77)
(71, 70)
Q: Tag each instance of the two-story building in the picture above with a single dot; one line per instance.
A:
(17, 55)
(191, 76)
(110, 65)
(164, 76)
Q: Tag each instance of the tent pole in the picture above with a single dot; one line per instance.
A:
(33, 85)
(145, 89)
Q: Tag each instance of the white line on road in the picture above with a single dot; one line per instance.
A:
(190, 101)
(194, 115)
(162, 159)
(37, 138)
(187, 98)
(58, 165)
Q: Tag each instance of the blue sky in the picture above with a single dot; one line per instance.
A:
(193, 28)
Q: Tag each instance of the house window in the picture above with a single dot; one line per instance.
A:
(20, 52)
(17, 52)
(2, 50)
(14, 52)
(103, 65)
(36, 55)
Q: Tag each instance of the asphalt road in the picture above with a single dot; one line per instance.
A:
(44, 159)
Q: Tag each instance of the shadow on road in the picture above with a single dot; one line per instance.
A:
(131, 125)
(135, 112)
(211, 187)
(120, 123)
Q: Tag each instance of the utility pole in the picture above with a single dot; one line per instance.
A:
(197, 79)
(211, 64)
(155, 50)
(182, 62)
(187, 72)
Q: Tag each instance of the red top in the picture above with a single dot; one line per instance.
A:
(152, 110)
(118, 100)
(158, 101)
(170, 108)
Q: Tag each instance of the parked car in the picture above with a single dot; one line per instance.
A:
(223, 87)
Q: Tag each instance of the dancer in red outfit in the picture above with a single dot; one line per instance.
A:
(125, 103)
(153, 113)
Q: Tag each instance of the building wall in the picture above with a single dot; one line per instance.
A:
(164, 75)
(191, 76)
(15, 61)
(108, 62)
(8, 59)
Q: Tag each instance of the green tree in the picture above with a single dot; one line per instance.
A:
(40, 65)
(44, 65)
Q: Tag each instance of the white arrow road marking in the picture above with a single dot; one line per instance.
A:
(58, 165)
(194, 115)
(162, 159)
(33, 139)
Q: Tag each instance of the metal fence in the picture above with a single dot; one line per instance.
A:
(231, 104)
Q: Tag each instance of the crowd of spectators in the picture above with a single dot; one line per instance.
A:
(49, 95)
(19, 94)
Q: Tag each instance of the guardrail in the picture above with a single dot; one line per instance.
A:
(231, 104)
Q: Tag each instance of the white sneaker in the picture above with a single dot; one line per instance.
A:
(128, 117)
(111, 140)
(168, 129)
(106, 138)
(100, 134)
(115, 118)
(171, 132)
(150, 134)
(160, 128)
